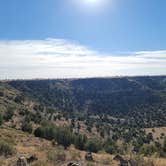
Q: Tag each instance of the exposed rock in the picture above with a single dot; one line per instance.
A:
(132, 163)
(118, 157)
(88, 156)
(73, 164)
(22, 161)
(32, 159)
(121, 161)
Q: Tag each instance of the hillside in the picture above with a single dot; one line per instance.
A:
(106, 116)
(127, 97)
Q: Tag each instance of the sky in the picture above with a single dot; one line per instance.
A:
(82, 38)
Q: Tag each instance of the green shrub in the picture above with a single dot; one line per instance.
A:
(110, 147)
(164, 145)
(1, 94)
(18, 99)
(63, 136)
(148, 150)
(80, 141)
(27, 127)
(1, 120)
(47, 132)
(6, 149)
(163, 149)
(8, 114)
(93, 145)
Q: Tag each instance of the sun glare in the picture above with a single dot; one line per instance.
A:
(92, 6)
(92, 2)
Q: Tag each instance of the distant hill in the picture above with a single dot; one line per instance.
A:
(142, 98)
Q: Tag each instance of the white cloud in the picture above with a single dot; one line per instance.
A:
(58, 58)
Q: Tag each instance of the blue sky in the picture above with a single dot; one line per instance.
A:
(108, 28)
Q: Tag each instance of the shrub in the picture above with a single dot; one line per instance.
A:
(1, 120)
(39, 132)
(89, 129)
(163, 149)
(6, 149)
(63, 136)
(93, 145)
(110, 147)
(9, 114)
(80, 141)
(164, 145)
(27, 127)
(47, 132)
(18, 99)
(1, 94)
(148, 150)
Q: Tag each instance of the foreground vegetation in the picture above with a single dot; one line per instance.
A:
(50, 154)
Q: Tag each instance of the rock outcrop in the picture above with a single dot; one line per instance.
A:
(73, 164)
(32, 159)
(88, 156)
(121, 161)
(22, 161)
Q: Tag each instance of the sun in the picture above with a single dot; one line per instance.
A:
(92, 1)
(92, 6)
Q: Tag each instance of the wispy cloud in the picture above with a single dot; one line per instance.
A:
(58, 58)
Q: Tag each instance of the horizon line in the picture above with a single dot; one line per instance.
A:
(79, 78)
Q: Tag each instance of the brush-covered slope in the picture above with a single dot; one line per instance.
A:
(138, 97)
(106, 115)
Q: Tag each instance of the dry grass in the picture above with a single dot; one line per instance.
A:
(27, 145)
(159, 161)
(156, 132)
